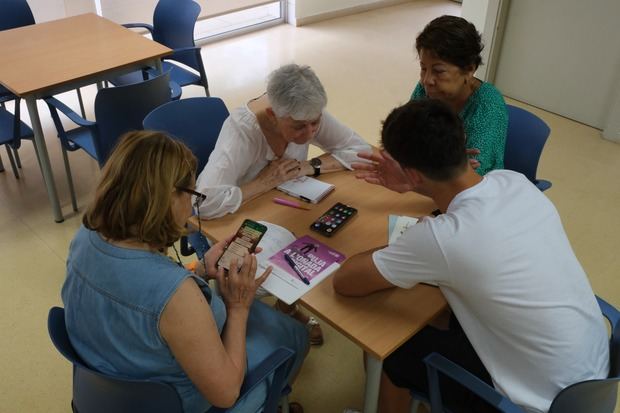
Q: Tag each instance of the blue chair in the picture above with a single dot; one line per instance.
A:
(592, 396)
(526, 137)
(194, 121)
(173, 26)
(12, 131)
(95, 392)
(197, 123)
(13, 14)
(117, 111)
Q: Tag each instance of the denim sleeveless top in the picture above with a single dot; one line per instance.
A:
(114, 298)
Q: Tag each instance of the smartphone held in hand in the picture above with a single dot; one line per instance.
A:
(244, 242)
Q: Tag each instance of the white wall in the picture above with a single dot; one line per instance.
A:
(488, 17)
(611, 129)
(563, 56)
(308, 11)
(46, 10)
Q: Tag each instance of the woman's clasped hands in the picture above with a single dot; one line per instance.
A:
(279, 171)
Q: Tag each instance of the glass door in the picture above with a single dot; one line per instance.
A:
(217, 19)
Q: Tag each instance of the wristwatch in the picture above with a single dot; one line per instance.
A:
(316, 164)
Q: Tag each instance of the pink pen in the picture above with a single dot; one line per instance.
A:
(289, 203)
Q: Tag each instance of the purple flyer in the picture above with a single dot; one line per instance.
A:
(308, 256)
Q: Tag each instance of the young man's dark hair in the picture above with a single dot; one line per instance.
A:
(428, 136)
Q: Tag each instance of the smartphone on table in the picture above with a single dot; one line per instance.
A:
(244, 242)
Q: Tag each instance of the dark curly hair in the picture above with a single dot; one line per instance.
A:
(428, 136)
(452, 39)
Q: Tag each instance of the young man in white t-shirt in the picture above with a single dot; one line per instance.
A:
(525, 318)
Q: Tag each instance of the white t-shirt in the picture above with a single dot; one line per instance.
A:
(502, 260)
(242, 151)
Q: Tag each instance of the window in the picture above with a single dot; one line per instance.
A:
(218, 18)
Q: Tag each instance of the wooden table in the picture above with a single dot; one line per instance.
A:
(53, 57)
(380, 322)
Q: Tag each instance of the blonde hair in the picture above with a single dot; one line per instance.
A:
(133, 198)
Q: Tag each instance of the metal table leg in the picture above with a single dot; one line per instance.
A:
(41, 148)
(373, 380)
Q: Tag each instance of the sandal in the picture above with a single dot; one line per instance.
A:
(293, 407)
(312, 325)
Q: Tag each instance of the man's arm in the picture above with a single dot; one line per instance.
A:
(359, 276)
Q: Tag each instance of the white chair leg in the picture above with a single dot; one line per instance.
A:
(1, 165)
(415, 404)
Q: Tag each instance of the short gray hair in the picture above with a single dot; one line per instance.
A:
(297, 92)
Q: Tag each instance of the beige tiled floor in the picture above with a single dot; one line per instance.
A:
(367, 65)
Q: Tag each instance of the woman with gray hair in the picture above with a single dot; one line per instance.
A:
(265, 142)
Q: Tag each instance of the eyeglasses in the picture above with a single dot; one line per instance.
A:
(199, 197)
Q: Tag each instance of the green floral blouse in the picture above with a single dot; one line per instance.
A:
(485, 119)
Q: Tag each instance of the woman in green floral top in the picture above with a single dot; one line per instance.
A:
(449, 51)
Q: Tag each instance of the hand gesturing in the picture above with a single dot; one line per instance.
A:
(382, 170)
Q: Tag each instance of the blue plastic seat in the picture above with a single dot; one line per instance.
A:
(117, 111)
(194, 121)
(197, 123)
(96, 392)
(526, 137)
(12, 131)
(13, 14)
(173, 26)
(592, 396)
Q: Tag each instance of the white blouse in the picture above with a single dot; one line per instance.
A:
(242, 151)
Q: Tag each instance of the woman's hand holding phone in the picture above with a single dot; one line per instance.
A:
(238, 285)
(214, 253)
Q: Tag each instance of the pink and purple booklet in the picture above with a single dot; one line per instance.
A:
(298, 264)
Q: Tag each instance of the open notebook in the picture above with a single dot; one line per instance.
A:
(307, 189)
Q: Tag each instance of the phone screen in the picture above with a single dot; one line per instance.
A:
(245, 241)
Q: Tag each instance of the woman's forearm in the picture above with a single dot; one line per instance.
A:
(233, 339)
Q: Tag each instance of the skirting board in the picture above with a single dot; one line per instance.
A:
(346, 12)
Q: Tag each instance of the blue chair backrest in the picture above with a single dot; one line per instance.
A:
(595, 396)
(194, 121)
(526, 137)
(173, 26)
(15, 13)
(121, 109)
(95, 392)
